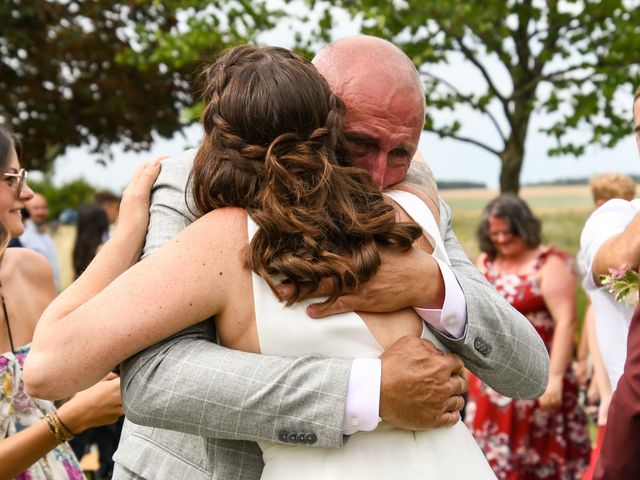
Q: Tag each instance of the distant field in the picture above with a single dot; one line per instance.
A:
(539, 198)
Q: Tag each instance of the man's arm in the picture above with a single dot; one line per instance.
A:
(611, 238)
(189, 383)
(497, 343)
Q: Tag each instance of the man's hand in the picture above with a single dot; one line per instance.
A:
(421, 387)
(405, 279)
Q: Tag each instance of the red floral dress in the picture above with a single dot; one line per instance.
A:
(520, 440)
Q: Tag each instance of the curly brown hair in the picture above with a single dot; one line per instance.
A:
(274, 145)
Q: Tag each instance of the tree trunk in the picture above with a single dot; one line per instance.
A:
(511, 158)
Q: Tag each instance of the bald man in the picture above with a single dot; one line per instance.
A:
(201, 407)
(36, 236)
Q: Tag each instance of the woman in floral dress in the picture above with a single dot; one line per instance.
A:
(31, 430)
(530, 439)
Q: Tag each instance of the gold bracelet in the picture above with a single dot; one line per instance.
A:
(57, 428)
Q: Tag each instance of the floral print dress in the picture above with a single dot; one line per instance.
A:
(18, 411)
(521, 440)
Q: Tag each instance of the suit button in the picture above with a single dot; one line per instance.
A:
(292, 437)
(481, 346)
(282, 435)
(301, 438)
(310, 438)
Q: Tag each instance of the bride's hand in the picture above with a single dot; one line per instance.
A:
(134, 207)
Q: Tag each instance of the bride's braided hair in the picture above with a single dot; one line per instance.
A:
(274, 145)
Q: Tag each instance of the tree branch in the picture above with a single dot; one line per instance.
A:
(459, 138)
(469, 99)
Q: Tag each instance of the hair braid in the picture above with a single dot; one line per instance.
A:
(275, 145)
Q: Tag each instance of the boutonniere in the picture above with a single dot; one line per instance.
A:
(623, 284)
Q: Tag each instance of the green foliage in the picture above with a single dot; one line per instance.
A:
(100, 71)
(568, 59)
(70, 195)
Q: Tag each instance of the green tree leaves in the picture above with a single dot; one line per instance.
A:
(568, 59)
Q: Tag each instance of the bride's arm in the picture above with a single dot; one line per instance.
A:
(95, 324)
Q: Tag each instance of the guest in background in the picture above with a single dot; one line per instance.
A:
(110, 203)
(33, 433)
(92, 232)
(530, 439)
(604, 187)
(15, 241)
(36, 237)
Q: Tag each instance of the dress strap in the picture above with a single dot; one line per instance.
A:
(6, 319)
(422, 215)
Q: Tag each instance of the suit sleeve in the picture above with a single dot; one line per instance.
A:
(499, 345)
(191, 384)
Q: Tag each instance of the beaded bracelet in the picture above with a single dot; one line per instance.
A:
(58, 429)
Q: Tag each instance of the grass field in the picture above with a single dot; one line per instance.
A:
(563, 211)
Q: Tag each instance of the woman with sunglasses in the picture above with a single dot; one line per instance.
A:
(33, 434)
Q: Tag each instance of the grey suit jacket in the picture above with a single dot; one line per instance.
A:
(199, 408)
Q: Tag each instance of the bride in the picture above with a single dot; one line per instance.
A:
(278, 200)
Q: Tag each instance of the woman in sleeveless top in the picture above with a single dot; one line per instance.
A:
(279, 200)
(531, 439)
(32, 431)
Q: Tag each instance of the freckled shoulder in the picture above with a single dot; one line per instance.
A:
(222, 231)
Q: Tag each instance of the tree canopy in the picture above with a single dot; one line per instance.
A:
(100, 71)
(571, 60)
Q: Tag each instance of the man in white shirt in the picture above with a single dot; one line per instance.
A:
(35, 236)
(619, 455)
(611, 240)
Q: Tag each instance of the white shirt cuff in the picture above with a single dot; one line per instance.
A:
(362, 407)
(452, 319)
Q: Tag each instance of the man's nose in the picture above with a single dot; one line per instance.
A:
(378, 169)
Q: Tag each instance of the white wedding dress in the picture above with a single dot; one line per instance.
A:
(387, 453)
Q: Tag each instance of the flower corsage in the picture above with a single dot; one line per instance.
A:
(623, 284)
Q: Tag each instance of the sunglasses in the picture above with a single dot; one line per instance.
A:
(21, 182)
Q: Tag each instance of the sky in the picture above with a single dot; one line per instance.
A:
(449, 159)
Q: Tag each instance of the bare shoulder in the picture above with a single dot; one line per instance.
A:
(558, 264)
(221, 219)
(481, 261)
(223, 231)
(28, 275)
(27, 264)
